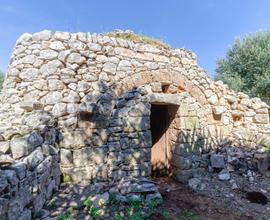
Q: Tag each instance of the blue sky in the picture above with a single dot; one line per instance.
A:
(206, 27)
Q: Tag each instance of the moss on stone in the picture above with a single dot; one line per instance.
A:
(67, 178)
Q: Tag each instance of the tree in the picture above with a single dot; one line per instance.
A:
(246, 66)
(2, 77)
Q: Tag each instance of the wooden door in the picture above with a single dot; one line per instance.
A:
(159, 124)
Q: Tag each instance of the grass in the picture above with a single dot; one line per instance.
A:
(137, 38)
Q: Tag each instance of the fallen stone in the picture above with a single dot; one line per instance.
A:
(224, 175)
(194, 183)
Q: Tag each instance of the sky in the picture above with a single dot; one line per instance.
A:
(205, 27)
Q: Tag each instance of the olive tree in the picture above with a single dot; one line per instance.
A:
(246, 66)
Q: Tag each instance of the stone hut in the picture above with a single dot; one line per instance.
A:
(93, 108)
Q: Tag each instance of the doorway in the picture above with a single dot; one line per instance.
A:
(160, 119)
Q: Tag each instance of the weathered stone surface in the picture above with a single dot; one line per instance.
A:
(34, 159)
(34, 140)
(20, 169)
(59, 109)
(53, 98)
(73, 139)
(66, 157)
(19, 147)
(261, 118)
(57, 45)
(5, 160)
(50, 68)
(224, 175)
(217, 161)
(262, 162)
(75, 58)
(4, 146)
(38, 119)
(11, 177)
(48, 54)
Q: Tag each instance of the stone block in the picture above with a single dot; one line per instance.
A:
(20, 169)
(262, 162)
(73, 139)
(3, 207)
(261, 118)
(19, 147)
(34, 140)
(4, 146)
(14, 210)
(136, 124)
(25, 215)
(217, 161)
(66, 157)
(34, 159)
(44, 165)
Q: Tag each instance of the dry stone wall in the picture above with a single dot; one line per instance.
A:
(96, 92)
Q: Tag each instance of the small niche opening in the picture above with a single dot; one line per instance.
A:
(165, 88)
(236, 118)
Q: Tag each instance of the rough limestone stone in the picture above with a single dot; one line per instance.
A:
(11, 176)
(42, 35)
(34, 140)
(34, 159)
(20, 169)
(73, 139)
(57, 45)
(19, 147)
(48, 54)
(75, 58)
(4, 146)
(66, 157)
(224, 175)
(217, 161)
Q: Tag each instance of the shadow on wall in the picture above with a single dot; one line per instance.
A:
(190, 150)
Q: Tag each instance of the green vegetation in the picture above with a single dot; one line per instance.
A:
(67, 178)
(246, 66)
(137, 38)
(66, 216)
(166, 215)
(2, 77)
(92, 211)
(133, 208)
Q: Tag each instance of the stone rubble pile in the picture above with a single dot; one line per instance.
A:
(136, 188)
(247, 163)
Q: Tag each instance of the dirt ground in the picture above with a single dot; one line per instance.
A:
(179, 203)
(182, 203)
